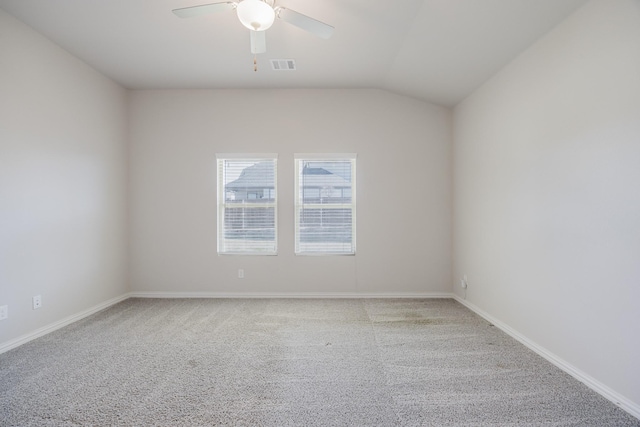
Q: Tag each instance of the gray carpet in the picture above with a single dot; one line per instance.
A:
(289, 362)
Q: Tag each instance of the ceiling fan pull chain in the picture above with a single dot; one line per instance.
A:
(255, 62)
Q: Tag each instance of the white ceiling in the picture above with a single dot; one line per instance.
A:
(435, 50)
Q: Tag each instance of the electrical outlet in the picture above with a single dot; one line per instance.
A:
(4, 312)
(37, 302)
(240, 273)
(463, 282)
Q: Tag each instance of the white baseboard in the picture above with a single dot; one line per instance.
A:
(621, 401)
(257, 295)
(4, 347)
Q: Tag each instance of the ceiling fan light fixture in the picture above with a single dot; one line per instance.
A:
(256, 15)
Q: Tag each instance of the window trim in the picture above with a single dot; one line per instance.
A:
(328, 157)
(221, 199)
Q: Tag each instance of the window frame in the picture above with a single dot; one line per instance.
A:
(222, 203)
(299, 204)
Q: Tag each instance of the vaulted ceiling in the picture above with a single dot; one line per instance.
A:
(438, 51)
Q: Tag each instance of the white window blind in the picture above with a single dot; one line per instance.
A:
(325, 204)
(247, 204)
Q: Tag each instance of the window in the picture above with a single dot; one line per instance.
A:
(247, 209)
(325, 204)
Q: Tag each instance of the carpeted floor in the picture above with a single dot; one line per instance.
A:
(290, 362)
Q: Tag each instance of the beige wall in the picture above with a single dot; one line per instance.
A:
(403, 178)
(62, 182)
(546, 194)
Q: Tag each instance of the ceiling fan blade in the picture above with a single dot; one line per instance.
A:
(258, 41)
(311, 25)
(204, 9)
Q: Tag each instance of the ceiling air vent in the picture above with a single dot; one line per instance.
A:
(283, 64)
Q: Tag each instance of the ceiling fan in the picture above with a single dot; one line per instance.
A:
(258, 16)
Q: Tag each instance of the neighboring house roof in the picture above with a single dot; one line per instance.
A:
(320, 178)
(340, 168)
(259, 175)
